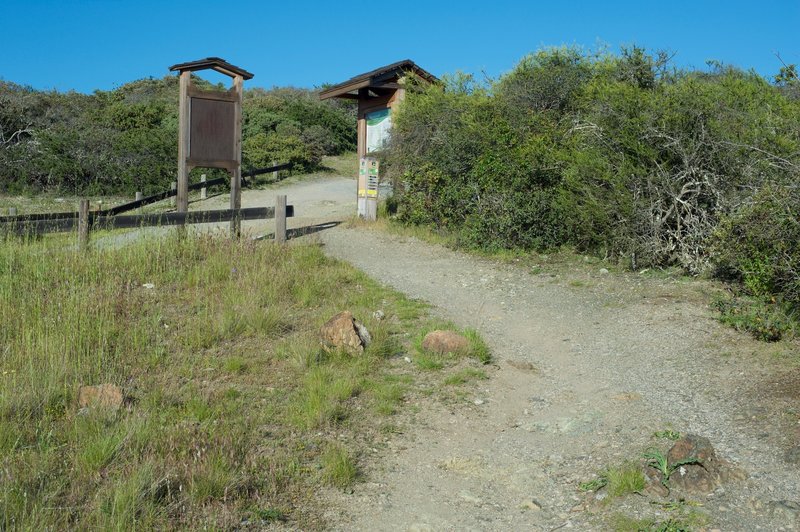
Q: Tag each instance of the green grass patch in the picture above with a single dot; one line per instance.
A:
(685, 521)
(765, 320)
(232, 404)
(618, 481)
(338, 467)
(430, 361)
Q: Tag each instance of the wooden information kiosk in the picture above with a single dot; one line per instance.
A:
(210, 129)
(378, 93)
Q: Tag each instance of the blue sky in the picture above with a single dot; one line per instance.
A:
(92, 44)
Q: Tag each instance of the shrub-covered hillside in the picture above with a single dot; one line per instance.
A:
(620, 155)
(126, 139)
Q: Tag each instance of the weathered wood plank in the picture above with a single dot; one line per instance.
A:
(141, 220)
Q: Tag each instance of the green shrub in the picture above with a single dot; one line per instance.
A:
(759, 245)
(765, 320)
(622, 156)
(126, 139)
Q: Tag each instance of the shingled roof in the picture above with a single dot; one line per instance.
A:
(381, 77)
(213, 63)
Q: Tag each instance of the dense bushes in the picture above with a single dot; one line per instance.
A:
(759, 246)
(622, 156)
(126, 139)
(292, 125)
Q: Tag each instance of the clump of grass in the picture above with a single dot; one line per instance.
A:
(477, 346)
(338, 467)
(429, 361)
(132, 502)
(213, 479)
(668, 434)
(684, 522)
(388, 395)
(270, 515)
(618, 481)
(320, 399)
(625, 479)
(235, 364)
(101, 440)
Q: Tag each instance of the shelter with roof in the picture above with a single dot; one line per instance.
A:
(378, 93)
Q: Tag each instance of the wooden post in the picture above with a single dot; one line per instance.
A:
(236, 175)
(173, 187)
(12, 211)
(139, 195)
(280, 219)
(203, 191)
(182, 198)
(83, 224)
(275, 172)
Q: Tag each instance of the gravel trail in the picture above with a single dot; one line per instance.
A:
(617, 357)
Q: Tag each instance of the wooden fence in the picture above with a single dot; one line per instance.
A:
(111, 218)
(85, 221)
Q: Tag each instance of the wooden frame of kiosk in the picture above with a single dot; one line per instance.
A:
(378, 93)
(210, 129)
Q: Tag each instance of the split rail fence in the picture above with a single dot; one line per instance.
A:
(85, 220)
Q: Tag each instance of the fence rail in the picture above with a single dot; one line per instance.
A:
(136, 204)
(103, 221)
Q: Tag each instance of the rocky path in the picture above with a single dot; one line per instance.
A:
(589, 365)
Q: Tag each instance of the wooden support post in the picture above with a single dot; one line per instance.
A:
(83, 224)
(275, 173)
(280, 219)
(12, 211)
(236, 202)
(182, 198)
(236, 175)
(203, 191)
(173, 187)
(139, 195)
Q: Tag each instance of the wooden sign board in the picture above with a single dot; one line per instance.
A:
(212, 133)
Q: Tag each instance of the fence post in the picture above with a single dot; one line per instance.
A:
(280, 219)
(83, 224)
(139, 195)
(12, 211)
(173, 187)
(274, 172)
(203, 191)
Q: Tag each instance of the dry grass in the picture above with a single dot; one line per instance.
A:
(236, 414)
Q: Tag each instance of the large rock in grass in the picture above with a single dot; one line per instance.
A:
(344, 332)
(702, 478)
(101, 396)
(445, 342)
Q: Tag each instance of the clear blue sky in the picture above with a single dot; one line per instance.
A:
(92, 44)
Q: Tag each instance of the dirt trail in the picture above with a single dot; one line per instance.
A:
(617, 358)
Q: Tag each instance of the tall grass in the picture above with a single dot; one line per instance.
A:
(232, 403)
